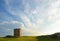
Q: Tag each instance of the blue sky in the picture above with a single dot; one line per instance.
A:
(35, 17)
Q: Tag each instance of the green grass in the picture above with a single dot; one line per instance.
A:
(24, 38)
(30, 38)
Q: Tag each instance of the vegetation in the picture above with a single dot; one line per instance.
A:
(30, 38)
(24, 38)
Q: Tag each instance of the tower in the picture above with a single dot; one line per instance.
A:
(17, 32)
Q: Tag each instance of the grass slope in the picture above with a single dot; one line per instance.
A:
(24, 38)
(30, 38)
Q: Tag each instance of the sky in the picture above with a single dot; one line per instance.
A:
(34, 17)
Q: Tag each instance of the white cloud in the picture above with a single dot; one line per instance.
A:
(10, 22)
(53, 17)
(40, 21)
(53, 11)
(43, 11)
(29, 26)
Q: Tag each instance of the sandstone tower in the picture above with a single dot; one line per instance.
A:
(17, 32)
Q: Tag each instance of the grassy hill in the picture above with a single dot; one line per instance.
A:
(31, 38)
(24, 38)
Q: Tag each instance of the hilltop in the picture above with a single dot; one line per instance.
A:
(30, 38)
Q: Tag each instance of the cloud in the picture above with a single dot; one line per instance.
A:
(53, 11)
(53, 17)
(9, 22)
(38, 15)
(28, 25)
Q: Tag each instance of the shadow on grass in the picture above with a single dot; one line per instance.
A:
(47, 38)
(41, 38)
